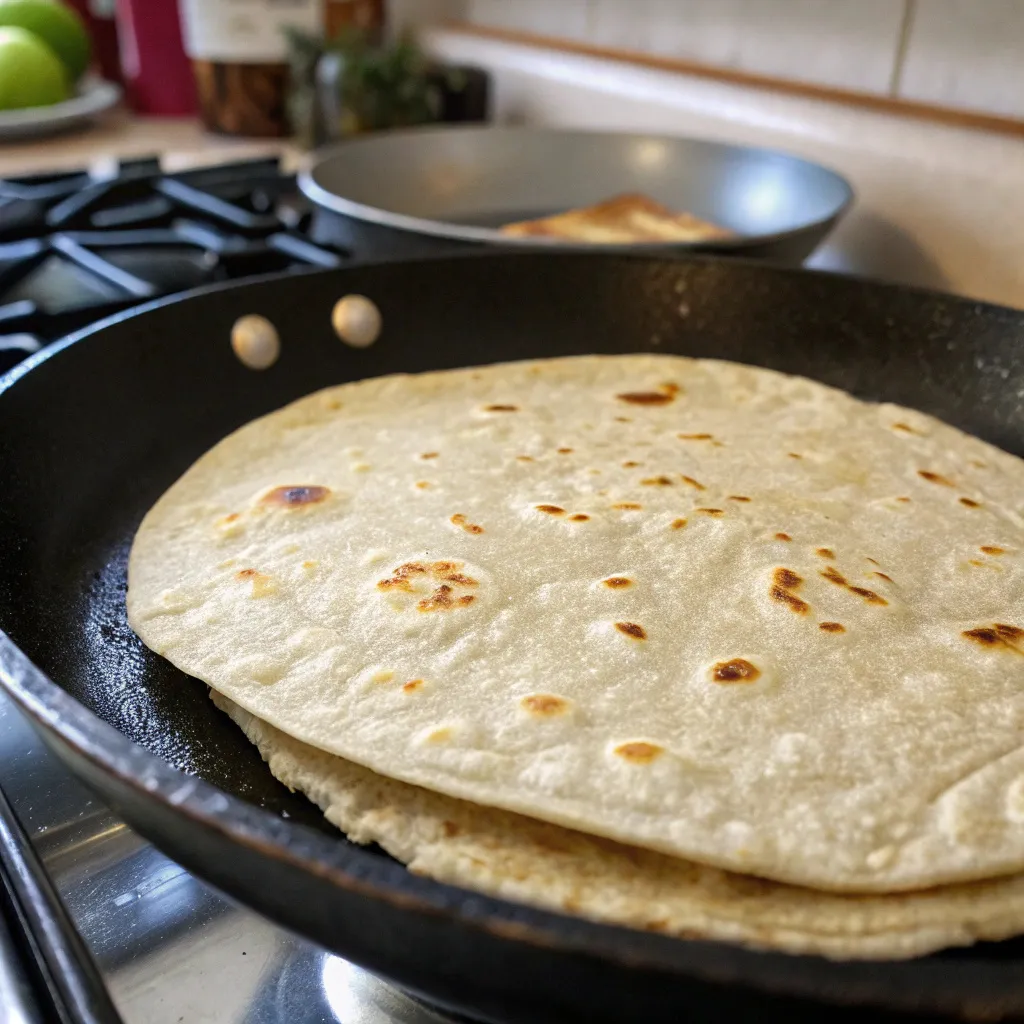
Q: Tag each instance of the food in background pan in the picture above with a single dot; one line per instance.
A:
(620, 220)
(682, 612)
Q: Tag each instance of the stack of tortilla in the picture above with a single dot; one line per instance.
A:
(679, 644)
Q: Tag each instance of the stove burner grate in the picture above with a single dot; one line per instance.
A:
(77, 247)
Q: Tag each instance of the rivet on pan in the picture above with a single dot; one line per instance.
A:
(356, 320)
(255, 341)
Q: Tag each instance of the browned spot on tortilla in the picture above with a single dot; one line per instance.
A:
(696, 484)
(466, 599)
(736, 670)
(832, 627)
(794, 455)
(785, 597)
(991, 549)
(671, 388)
(395, 583)
(416, 568)
(524, 458)
(639, 752)
(630, 464)
(647, 397)
(970, 503)
(738, 497)
(412, 685)
(833, 575)
(695, 437)
(399, 579)
(545, 704)
(232, 517)
(579, 517)
(623, 419)
(436, 567)
(882, 576)
(618, 582)
(309, 564)
(784, 583)
(787, 578)
(978, 464)
(565, 451)
(934, 478)
(983, 635)
(247, 574)
(430, 455)
(657, 481)
(460, 520)
(551, 510)
(451, 830)
(903, 499)
(423, 484)
(906, 428)
(440, 600)
(296, 495)
(501, 408)
(783, 536)
(632, 629)
(461, 579)
(629, 506)
(710, 511)
(678, 524)
(825, 553)
(999, 634)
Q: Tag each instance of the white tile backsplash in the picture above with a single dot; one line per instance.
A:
(566, 18)
(850, 45)
(967, 54)
(698, 30)
(410, 13)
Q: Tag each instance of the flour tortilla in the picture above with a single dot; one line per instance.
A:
(620, 220)
(521, 859)
(842, 709)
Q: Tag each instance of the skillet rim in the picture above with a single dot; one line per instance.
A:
(347, 866)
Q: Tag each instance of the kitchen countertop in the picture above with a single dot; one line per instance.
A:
(119, 135)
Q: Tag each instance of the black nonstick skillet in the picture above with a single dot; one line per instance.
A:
(93, 430)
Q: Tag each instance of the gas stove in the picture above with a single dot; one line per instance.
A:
(96, 925)
(76, 247)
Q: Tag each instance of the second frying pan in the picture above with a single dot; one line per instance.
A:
(431, 189)
(93, 431)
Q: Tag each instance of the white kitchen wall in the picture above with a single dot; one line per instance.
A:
(962, 54)
(967, 54)
(846, 45)
(568, 19)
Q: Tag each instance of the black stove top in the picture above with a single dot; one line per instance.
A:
(76, 247)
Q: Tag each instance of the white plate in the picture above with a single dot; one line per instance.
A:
(94, 97)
